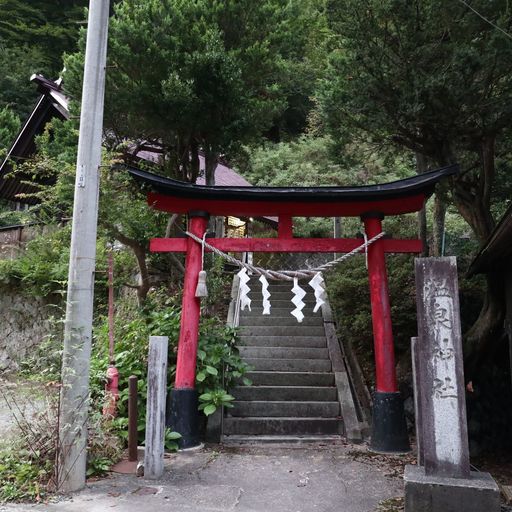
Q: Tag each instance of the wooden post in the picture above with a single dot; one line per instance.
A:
(155, 409)
(132, 419)
(389, 430)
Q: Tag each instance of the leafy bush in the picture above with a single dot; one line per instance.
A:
(218, 361)
(132, 331)
(104, 447)
(350, 298)
(212, 400)
(41, 268)
(22, 475)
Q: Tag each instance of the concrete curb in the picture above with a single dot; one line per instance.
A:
(345, 398)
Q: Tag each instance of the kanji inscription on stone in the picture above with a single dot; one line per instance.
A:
(443, 405)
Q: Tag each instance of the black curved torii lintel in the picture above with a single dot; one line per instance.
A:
(393, 198)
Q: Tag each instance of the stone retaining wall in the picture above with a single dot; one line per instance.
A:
(24, 324)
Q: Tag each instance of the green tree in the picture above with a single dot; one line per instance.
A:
(33, 37)
(199, 75)
(51, 26)
(432, 77)
(123, 215)
(17, 64)
(9, 126)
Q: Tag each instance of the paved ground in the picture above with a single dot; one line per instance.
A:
(268, 478)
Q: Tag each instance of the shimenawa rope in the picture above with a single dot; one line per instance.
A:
(286, 275)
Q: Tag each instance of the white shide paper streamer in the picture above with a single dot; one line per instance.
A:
(318, 285)
(244, 289)
(266, 295)
(299, 294)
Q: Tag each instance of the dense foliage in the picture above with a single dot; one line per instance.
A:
(212, 75)
(299, 92)
(433, 79)
(33, 37)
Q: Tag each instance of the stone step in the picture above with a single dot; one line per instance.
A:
(283, 352)
(277, 330)
(280, 304)
(283, 378)
(284, 341)
(286, 288)
(282, 426)
(278, 311)
(283, 302)
(280, 393)
(285, 408)
(285, 320)
(310, 439)
(289, 365)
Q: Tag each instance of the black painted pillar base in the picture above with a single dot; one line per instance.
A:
(183, 417)
(389, 429)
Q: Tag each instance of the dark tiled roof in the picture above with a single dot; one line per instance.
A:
(52, 103)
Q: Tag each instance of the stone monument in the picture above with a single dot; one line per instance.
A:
(443, 481)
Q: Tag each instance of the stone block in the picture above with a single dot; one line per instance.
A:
(429, 493)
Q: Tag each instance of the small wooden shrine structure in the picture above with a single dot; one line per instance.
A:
(371, 203)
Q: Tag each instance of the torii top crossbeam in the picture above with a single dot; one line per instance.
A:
(394, 198)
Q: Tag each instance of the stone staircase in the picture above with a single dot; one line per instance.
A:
(293, 392)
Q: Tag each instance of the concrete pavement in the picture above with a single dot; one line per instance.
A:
(332, 477)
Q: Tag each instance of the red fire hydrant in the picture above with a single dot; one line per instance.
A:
(111, 392)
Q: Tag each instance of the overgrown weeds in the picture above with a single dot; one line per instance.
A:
(391, 505)
(29, 465)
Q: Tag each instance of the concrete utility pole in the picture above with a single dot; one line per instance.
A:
(79, 306)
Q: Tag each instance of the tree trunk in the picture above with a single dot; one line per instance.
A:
(194, 161)
(211, 159)
(145, 285)
(483, 337)
(438, 231)
(140, 255)
(472, 194)
(444, 157)
(421, 167)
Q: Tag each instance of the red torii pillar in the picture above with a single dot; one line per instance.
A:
(389, 429)
(182, 411)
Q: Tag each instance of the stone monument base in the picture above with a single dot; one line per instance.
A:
(430, 493)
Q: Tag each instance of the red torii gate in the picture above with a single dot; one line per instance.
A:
(370, 203)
